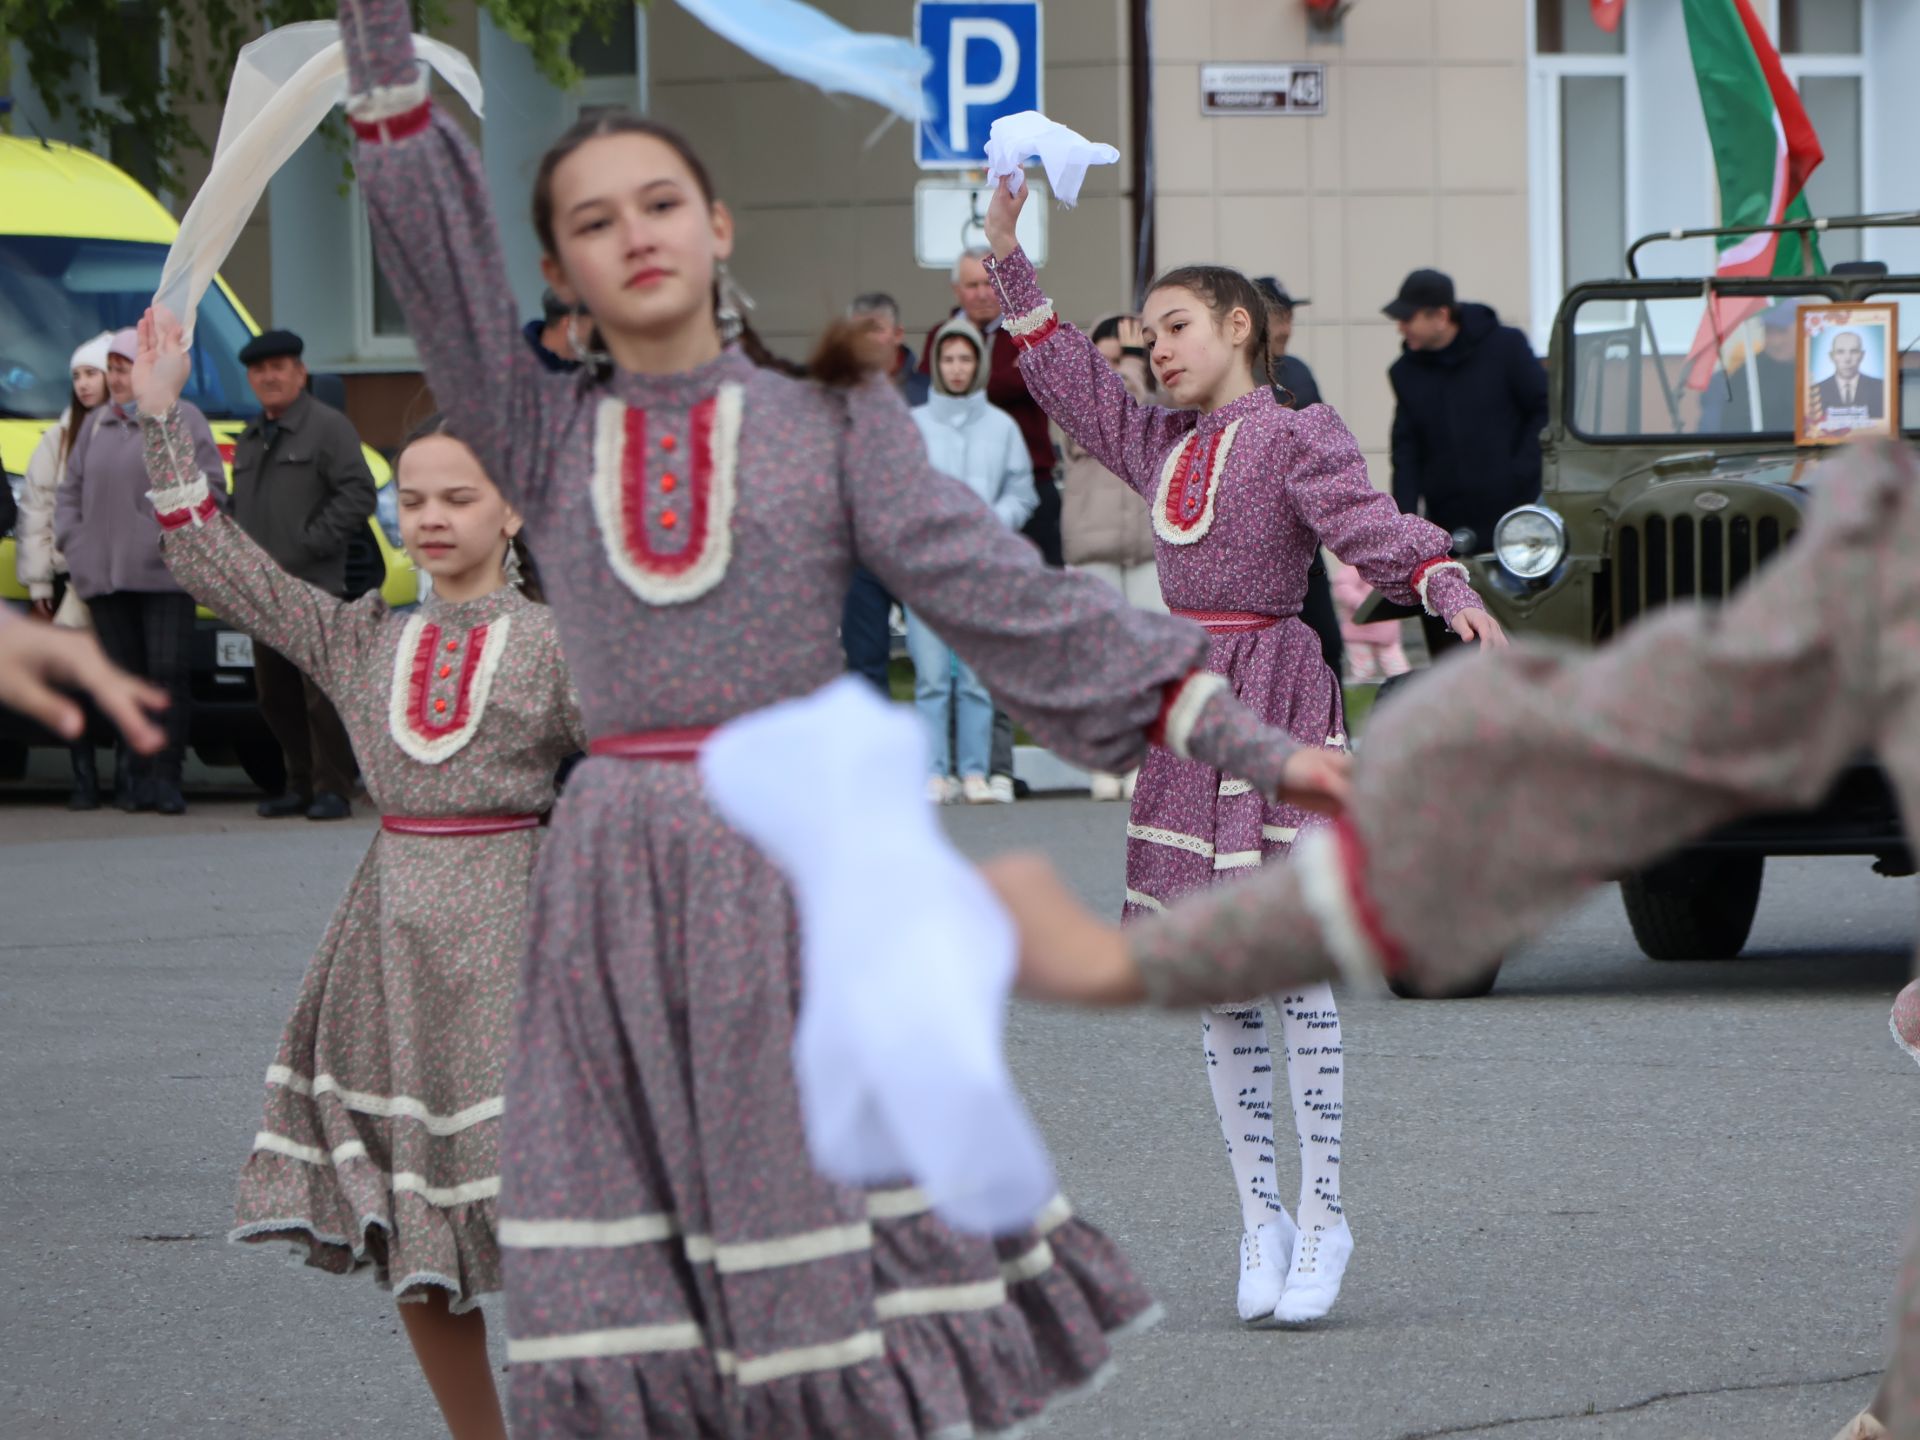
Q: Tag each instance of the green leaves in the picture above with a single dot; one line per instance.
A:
(132, 72)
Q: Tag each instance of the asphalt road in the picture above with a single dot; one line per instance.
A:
(1613, 1199)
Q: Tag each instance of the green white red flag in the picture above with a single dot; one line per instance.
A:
(1764, 148)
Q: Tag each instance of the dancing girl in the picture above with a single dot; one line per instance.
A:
(380, 1144)
(1243, 491)
(674, 1264)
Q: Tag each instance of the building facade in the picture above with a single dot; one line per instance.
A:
(1510, 142)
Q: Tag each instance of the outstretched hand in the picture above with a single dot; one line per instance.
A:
(161, 368)
(1472, 625)
(1317, 780)
(35, 658)
(1003, 218)
(1066, 953)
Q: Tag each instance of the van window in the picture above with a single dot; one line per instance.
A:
(57, 292)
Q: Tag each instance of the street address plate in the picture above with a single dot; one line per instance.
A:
(232, 650)
(1263, 89)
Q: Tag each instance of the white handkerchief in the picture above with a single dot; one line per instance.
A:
(1065, 154)
(907, 959)
(283, 85)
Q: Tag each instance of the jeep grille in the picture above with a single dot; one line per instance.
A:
(1657, 558)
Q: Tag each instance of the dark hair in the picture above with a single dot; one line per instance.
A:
(624, 122)
(1225, 290)
(552, 307)
(1107, 329)
(436, 424)
(76, 412)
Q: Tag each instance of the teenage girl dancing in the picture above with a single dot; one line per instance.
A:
(1243, 491)
(380, 1144)
(675, 1265)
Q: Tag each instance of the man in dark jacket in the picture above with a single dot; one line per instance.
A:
(302, 491)
(1470, 402)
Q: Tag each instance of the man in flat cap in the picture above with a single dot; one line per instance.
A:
(302, 490)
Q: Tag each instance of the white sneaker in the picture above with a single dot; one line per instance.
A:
(1104, 787)
(940, 790)
(1002, 788)
(975, 790)
(1265, 1252)
(1313, 1280)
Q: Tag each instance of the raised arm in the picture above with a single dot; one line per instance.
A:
(1075, 385)
(434, 236)
(1402, 556)
(1088, 674)
(219, 566)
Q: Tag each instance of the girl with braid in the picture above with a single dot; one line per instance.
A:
(1242, 491)
(674, 1264)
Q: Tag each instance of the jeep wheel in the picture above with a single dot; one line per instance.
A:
(264, 764)
(1697, 907)
(1469, 990)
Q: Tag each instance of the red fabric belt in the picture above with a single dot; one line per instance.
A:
(1229, 622)
(669, 747)
(457, 825)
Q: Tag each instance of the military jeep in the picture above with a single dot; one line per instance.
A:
(1655, 492)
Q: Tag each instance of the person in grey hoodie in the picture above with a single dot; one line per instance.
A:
(983, 448)
(103, 524)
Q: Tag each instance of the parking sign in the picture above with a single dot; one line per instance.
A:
(986, 63)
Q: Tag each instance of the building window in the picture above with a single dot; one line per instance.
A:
(1566, 27)
(1823, 48)
(613, 66)
(380, 331)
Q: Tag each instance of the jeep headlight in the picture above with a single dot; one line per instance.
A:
(1530, 542)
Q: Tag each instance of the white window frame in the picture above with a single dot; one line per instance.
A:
(1546, 210)
(626, 92)
(367, 344)
(1846, 67)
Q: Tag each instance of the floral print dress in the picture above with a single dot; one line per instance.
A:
(381, 1138)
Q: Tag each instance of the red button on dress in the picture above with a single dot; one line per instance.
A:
(668, 443)
(669, 483)
(445, 671)
(453, 645)
(669, 519)
(440, 706)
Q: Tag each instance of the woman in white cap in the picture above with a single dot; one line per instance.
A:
(39, 563)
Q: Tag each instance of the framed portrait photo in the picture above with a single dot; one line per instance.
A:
(1849, 373)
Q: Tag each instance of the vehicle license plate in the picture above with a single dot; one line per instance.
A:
(233, 650)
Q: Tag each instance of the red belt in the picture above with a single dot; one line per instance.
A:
(1229, 622)
(457, 825)
(669, 747)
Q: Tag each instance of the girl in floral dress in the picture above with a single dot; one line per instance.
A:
(1242, 490)
(675, 1265)
(380, 1145)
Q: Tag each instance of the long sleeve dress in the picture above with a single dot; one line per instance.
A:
(674, 1264)
(380, 1142)
(1240, 499)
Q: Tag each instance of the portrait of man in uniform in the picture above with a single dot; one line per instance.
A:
(1846, 354)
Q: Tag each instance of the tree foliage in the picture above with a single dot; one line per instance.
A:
(131, 67)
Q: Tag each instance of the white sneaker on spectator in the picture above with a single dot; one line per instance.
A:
(1001, 787)
(1104, 787)
(975, 790)
(941, 790)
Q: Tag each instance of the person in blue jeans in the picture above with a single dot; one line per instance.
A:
(981, 446)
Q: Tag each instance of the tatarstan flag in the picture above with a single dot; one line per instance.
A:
(1764, 149)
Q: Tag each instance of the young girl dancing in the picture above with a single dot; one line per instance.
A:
(674, 1264)
(380, 1145)
(1242, 489)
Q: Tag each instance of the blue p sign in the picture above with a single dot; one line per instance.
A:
(986, 63)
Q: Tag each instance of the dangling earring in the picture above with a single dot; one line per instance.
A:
(511, 568)
(732, 297)
(583, 350)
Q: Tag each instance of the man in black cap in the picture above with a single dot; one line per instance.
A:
(1470, 403)
(302, 490)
